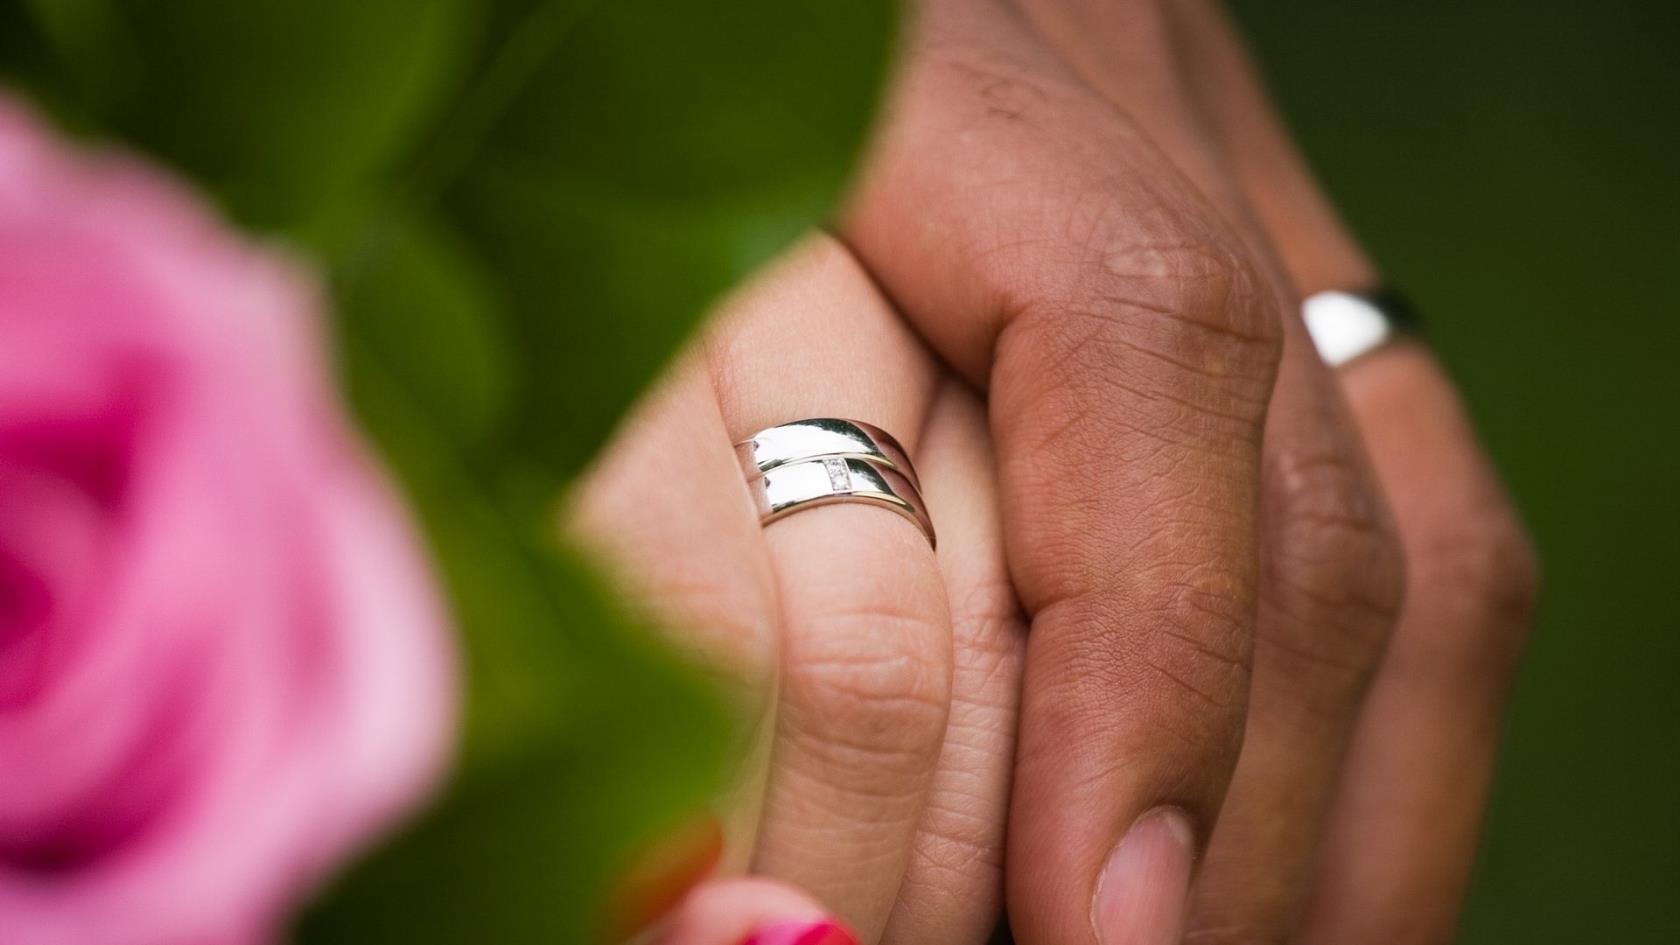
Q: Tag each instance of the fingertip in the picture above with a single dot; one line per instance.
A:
(753, 911)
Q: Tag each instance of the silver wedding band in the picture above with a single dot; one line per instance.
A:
(826, 460)
(1346, 326)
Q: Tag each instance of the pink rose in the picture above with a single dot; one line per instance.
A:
(222, 663)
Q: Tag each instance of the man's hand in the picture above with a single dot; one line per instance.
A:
(1088, 210)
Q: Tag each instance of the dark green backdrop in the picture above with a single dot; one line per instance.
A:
(1517, 167)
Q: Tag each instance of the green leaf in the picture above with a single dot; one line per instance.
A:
(616, 167)
(280, 108)
(418, 299)
(583, 742)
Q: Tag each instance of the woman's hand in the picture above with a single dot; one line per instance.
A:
(887, 675)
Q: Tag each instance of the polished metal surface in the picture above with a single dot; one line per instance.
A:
(806, 484)
(823, 436)
(1348, 325)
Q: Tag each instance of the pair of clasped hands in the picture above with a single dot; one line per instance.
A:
(1215, 642)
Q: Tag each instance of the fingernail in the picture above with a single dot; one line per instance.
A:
(1141, 896)
(802, 932)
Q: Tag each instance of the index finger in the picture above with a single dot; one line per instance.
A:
(1049, 252)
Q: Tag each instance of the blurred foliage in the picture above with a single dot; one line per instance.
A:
(278, 107)
(1514, 167)
(524, 207)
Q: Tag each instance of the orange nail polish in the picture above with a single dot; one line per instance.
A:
(659, 878)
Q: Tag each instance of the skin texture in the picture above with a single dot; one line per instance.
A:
(1189, 579)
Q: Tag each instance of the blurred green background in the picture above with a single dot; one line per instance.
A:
(1517, 168)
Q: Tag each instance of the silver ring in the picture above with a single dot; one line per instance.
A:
(823, 436)
(1349, 325)
(822, 461)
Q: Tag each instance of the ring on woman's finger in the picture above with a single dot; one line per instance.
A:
(823, 436)
(824, 460)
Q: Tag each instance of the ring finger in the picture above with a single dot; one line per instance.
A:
(865, 629)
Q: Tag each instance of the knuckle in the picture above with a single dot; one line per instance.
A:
(1181, 332)
(873, 683)
(1481, 562)
(1006, 88)
(1097, 250)
(1180, 655)
(1180, 313)
(1117, 375)
(999, 85)
(1198, 652)
(1334, 568)
(957, 858)
(958, 847)
(1185, 276)
(954, 882)
(988, 636)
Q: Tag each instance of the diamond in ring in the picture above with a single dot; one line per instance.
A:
(839, 477)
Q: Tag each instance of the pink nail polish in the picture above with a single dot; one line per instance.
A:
(801, 932)
(1141, 895)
